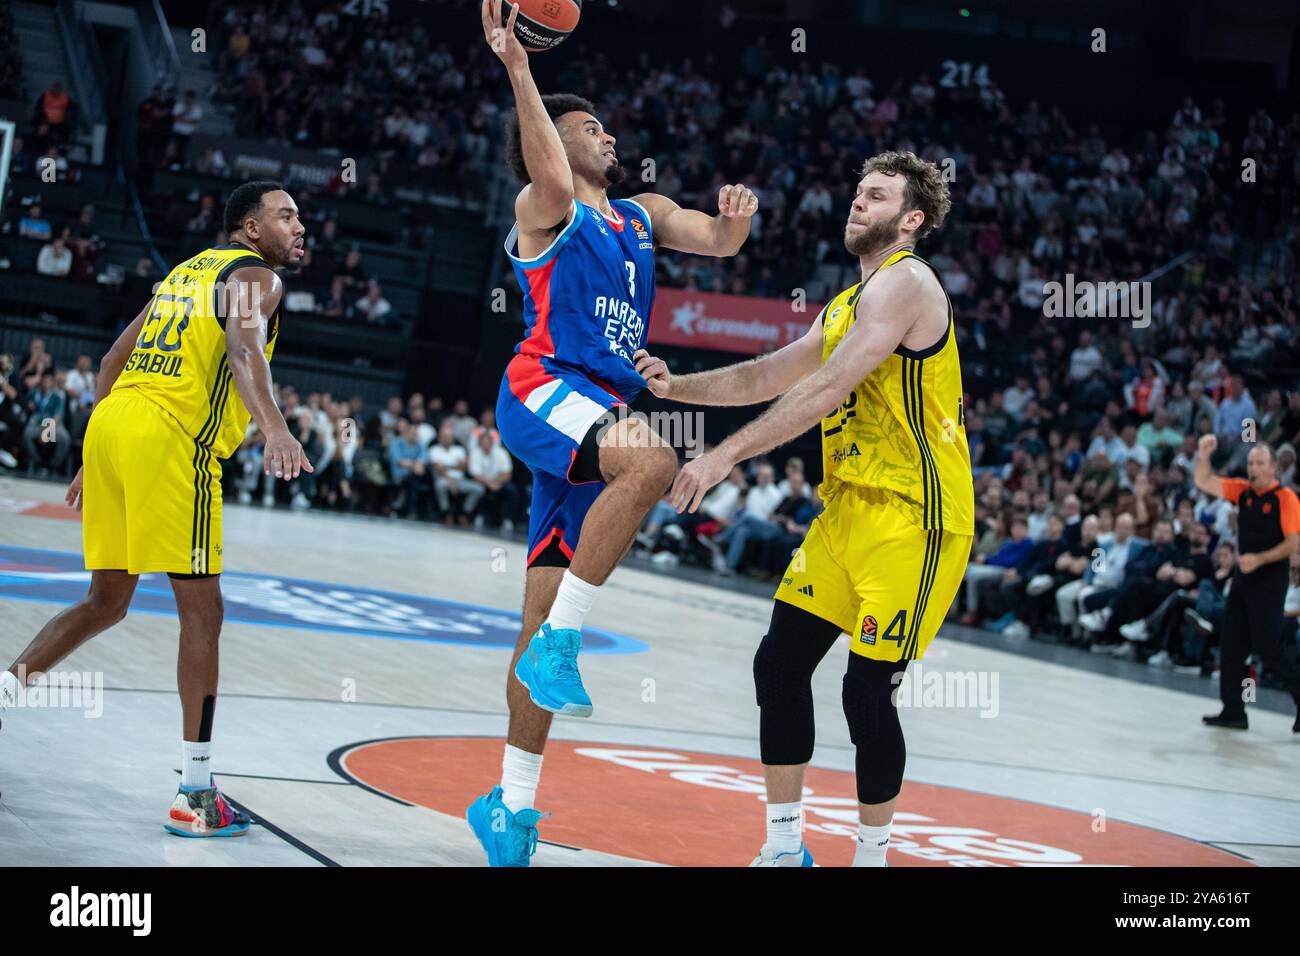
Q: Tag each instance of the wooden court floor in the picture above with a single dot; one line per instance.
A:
(362, 709)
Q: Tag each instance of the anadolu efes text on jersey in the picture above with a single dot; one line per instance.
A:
(588, 296)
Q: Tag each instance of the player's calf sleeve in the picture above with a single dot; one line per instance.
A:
(785, 723)
(874, 728)
(794, 645)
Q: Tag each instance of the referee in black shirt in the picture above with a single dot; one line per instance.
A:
(1268, 533)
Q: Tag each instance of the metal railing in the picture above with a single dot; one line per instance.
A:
(83, 56)
(137, 208)
(161, 45)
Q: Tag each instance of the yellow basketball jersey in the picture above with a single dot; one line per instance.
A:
(902, 429)
(179, 361)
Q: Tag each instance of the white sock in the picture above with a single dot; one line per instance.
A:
(572, 602)
(11, 689)
(785, 827)
(873, 842)
(196, 764)
(520, 773)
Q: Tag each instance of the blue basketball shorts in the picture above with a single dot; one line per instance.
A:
(549, 419)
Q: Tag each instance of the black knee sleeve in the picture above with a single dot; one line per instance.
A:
(794, 645)
(874, 728)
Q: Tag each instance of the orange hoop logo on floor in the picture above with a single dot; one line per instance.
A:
(602, 795)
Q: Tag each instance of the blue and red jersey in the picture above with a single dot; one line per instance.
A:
(587, 302)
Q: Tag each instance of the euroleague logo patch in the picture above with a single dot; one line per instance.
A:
(599, 795)
(639, 227)
(868, 630)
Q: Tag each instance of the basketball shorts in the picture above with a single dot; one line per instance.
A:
(551, 422)
(869, 566)
(150, 496)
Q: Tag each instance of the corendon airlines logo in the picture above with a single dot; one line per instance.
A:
(732, 323)
(601, 794)
(690, 318)
(685, 316)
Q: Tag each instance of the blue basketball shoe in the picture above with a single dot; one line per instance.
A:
(549, 669)
(510, 839)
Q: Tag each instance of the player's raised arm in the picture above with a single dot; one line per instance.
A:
(546, 200)
(689, 230)
(253, 295)
(745, 383)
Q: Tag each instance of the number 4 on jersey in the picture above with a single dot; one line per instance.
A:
(897, 630)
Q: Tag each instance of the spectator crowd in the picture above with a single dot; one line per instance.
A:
(1083, 426)
(412, 458)
(44, 410)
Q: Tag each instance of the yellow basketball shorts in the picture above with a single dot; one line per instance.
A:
(868, 566)
(150, 496)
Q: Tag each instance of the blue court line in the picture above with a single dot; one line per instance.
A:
(619, 643)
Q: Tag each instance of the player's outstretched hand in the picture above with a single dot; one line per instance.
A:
(736, 202)
(73, 497)
(696, 478)
(283, 456)
(655, 372)
(1207, 445)
(502, 39)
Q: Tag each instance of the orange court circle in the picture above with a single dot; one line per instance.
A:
(687, 808)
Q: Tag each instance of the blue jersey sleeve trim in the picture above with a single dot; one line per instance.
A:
(547, 254)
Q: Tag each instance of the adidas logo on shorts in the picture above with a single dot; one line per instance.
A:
(806, 589)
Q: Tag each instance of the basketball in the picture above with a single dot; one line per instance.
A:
(543, 24)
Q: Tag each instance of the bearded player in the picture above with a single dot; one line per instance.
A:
(586, 266)
(174, 395)
(878, 373)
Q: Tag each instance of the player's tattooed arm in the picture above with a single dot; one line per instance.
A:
(689, 230)
(251, 297)
(745, 383)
